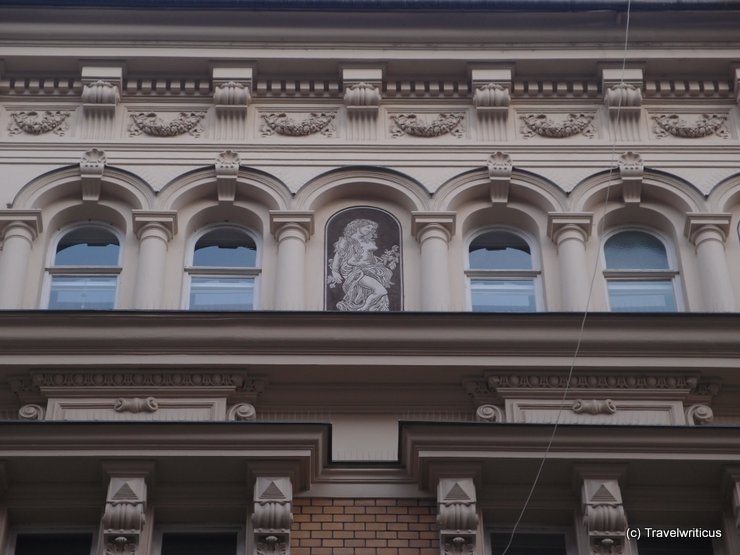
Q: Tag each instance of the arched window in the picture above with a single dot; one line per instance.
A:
(84, 269)
(223, 270)
(502, 273)
(639, 274)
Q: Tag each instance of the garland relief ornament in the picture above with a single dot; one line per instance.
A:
(282, 124)
(415, 126)
(704, 126)
(38, 123)
(573, 124)
(153, 125)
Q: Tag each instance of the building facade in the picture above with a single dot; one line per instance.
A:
(328, 278)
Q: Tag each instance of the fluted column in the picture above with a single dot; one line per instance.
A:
(434, 230)
(19, 229)
(291, 231)
(708, 232)
(570, 233)
(154, 230)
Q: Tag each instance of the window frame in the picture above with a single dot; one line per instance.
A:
(571, 544)
(206, 528)
(51, 530)
(51, 270)
(191, 271)
(672, 274)
(535, 273)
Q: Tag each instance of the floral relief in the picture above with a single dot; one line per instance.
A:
(38, 123)
(282, 124)
(573, 124)
(415, 126)
(151, 124)
(704, 126)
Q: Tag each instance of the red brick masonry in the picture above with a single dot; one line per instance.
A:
(364, 527)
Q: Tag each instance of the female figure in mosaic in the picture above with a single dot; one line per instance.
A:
(364, 277)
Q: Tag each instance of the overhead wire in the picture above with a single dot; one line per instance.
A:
(582, 328)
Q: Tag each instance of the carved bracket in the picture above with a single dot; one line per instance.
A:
(414, 126)
(231, 97)
(282, 124)
(500, 169)
(457, 516)
(631, 169)
(604, 517)
(227, 170)
(704, 126)
(101, 97)
(125, 507)
(492, 99)
(623, 100)
(153, 125)
(38, 123)
(362, 98)
(272, 517)
(573, 124)
(92, 166)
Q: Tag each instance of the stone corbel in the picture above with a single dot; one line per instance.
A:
(492, 95)
(281, 221)
(457, 516)
(700, 226)
(227, 170)
(563, 224)
(424, 222)
(362, 90)
(500, 169)
(272, 516)
(92, 167)
(602, 509)
(125, 506)
(163, 222)
(623, 91)
(631, 169)
(101, 89)
(232, 88)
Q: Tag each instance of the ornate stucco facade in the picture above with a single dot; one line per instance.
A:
(341, 256)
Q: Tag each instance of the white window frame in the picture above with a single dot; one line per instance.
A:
(535, 273)
(217, 271)
(51, 529)
(51, 270)
(571, 546)
(161, 530)
(672, 274)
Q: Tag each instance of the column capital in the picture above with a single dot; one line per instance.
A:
(421, 221)
(281, 219)
(559, 222)
(698, 222)
(163, 219)
(28, 218)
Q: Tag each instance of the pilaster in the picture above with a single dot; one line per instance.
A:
(457, 517)
(602, 509)
(272, 516)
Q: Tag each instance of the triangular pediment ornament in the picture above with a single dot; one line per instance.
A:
(456, 493)
(272, 491)
(125, 493)
(603, 495)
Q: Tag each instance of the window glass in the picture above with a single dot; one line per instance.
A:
(87, 246)
(499, 250)
(53, 544)
(199, 543)
(503, 295)
(225, 248)
(83, 292)
(635, 250)
(529, 544)
(641, 296)
(221, 293)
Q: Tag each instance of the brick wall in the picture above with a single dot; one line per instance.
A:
(364, 527)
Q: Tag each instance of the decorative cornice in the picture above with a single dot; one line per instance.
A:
(704, 126)
(151, 124)
(581, 380)
(414, 126)
(282, 124)
(39, 123)
(573, 124)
